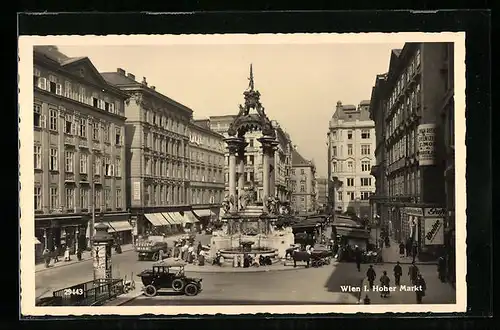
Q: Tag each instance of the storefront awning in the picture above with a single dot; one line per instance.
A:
(352, 232)
(117, 226)
(190, 217)
(153, 219)
(176, 220)
(202, 213)
(162, 219)
(168, 219)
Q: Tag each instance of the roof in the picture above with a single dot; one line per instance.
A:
(298, 160)
(352, 113)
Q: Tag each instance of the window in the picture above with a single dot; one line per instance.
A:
(53, 164)
(38, 198)
(349, 135)
(302, 171)
(365, 195)
(54, 198)
(70, 198)
(334, 151)
(84, 163)
(366, 182)
(351, 195)
(302, 188)
(97, 198)
(350, 182)
(339, 196)
(95, 131)
(349, 149)
(37, 153)
(350, 167)
(250, 143)
(334, 167)
(118, 136)
(36, 76)
(42, 83)
(145, 138)
(365, 149)
(365, 134)
(105, 132)
(84, 198)
(53, 119)
(108, 167)
(67, 89)
(118, 168)
(107, 198)
(68, 163)
(53, 84)
(119, 197)
(96, 165)
(334, 135)
(38, 119)
(365, 166)
(69, 126)
(293, 171)
(83, 127)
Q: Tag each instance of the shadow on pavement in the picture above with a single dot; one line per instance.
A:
(345, 274)
(170, 293)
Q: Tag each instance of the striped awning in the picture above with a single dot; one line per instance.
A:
(190, 217)
(162, 219)
(175, 217)
(168, 218)
(117, 226)
(153, 219)
(202, 213)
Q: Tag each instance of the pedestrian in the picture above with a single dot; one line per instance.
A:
(413, 272)
(402, 249)
(398, 272)
(442, 269)
(408, 247)
(79, 254)
(67, 254)
(421, 288)
(384, 282)
(371, 275)
(198, 248)
(358, 257)
(56, 254)
(367, 300)
(184, 249)
(190, 251)
(160, 255)
(46, 257)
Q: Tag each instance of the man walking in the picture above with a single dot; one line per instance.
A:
(420, 283)
(384, 281)
(398, 271)
(371, 275)
(413, 272)
(357, 256)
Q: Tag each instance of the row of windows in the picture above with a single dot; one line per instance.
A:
(337, 151)
(70, 202)
(161, 143)
(409, 105)
(165, 122)
(215, 159)
(75, 92)
(364, 182)
(404, 147)
(405, 78)
(352, 196)
(337, 135)
(406, 184)
(100, 165)
(76, 126)
(337, 166)
(167, 194)
(207, 141)
(207, 175)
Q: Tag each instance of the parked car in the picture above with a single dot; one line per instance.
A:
(169, 274)
(148, 248)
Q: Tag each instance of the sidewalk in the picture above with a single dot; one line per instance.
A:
(281, 265)
(391, 255)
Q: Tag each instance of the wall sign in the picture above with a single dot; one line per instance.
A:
(137, 191)
(416, 211)
(434, 231)
(435, 212)
(427, 144)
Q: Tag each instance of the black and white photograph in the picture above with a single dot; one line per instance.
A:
(205, 174)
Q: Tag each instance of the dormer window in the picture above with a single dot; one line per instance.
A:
(349, 133)
(81, 72)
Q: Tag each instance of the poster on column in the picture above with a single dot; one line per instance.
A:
(426, 144)
(433, 231)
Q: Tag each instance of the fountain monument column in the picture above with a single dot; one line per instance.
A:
(241, 171)
(267, 149)
(272, 178)
(233, 145)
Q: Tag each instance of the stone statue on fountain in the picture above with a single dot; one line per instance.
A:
(227, 203)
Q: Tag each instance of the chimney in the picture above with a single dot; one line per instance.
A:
(120, 71)
(144, 82)
(131, 76)
(153, 88)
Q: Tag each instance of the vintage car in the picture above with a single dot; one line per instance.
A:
(148, 248)
(169, 274)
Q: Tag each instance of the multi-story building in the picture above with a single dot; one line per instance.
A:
(207, 150)
(79, 152)
(303, 182)
(413, 105)
(322, 192)
(157, 144)
(254, 160)
(351, 143)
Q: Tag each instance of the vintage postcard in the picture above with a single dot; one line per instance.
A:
(204, 174)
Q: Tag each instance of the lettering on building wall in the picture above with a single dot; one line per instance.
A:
(137, 191)
(416, 211)
(435, 212)
(427, 144)
(434, 231)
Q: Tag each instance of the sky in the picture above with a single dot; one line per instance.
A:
(300, 84)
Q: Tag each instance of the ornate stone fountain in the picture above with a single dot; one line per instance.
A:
(249, 227)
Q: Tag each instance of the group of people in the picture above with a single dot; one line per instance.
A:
(48, 255)
(186, 251)
(416, 279)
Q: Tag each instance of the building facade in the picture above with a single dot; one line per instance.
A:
(303, 182)
(322, 192)
(206, 189)
(157, 144)
(414, 101)
(254, 161)
(79, 151)
(351, 143)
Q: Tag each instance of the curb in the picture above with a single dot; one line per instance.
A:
(255, 270)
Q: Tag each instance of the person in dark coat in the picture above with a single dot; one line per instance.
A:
(413, 272)
(367, 300)
(402, 249)
(198, 248)
(371, 276)
(385, 281)
(408, 247)
(398, 272)
(358, 257)
(420, 283)
(442, 269)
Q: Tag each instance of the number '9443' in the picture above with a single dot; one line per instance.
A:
(73, 292)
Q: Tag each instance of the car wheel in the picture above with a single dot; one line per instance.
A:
(150, 291)
(191, 289)
(177, 285)
(155, 257)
